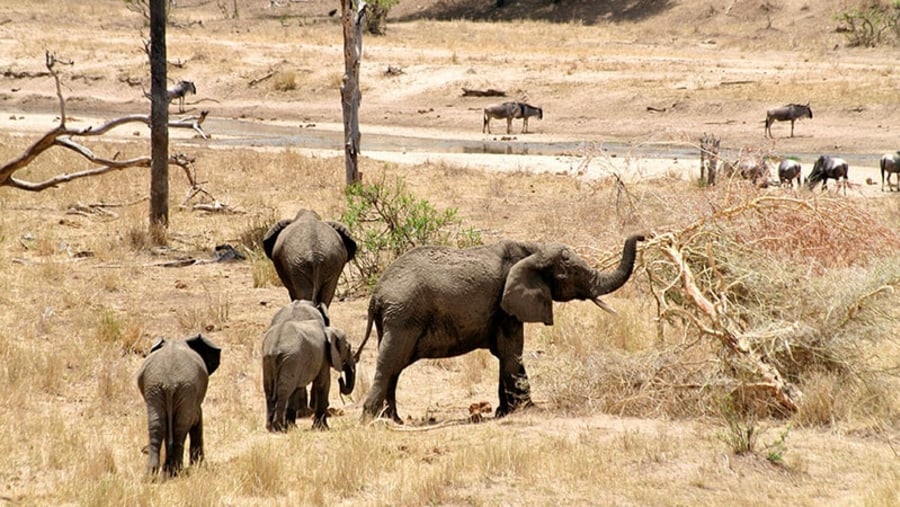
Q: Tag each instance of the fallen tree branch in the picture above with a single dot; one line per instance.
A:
(62, 136)
(490, 92)
(771, 380)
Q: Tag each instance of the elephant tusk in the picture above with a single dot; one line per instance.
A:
(602, 304)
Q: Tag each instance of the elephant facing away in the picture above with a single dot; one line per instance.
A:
(173, 380)
(441, 302)
(298, 349)
(309, 255)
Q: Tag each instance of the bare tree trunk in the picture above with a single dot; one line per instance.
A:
(159, 123)
(350, 94)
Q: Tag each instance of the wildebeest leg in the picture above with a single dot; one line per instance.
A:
(792, 127)
(509, 125)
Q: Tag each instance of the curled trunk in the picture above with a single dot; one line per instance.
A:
(348, 380)
(608, 281)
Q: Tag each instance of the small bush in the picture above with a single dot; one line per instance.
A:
(387, 220)
(376, 17)
(285, 81)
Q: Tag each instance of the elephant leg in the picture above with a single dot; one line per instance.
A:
(156, 428)
(279, 417)
(391, 409)
(300, 404)
(319, 392)
(326, 292)
(175, 452)
(513, 389)
(394, 354)
(270, 413)
(196, 436)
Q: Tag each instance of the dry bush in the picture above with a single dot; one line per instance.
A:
(766, 328)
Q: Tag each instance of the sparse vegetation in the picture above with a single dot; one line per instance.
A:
(387, 220)
(871, 23)
(628, 407)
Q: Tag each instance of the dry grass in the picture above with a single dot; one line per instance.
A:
(629, 408)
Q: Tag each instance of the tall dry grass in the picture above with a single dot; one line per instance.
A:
(628, 407)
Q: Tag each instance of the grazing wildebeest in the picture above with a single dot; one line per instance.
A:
(506, 110)
(790, 112)
(526, 111)
(754, 169)
(179, 91)
(788, 171)
(890, 164)
(828, 167)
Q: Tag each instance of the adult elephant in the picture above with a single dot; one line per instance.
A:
(309, 255)
(173, 380)
(440, 302)
(298, 349)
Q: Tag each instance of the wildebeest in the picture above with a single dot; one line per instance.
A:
(828, 167)
(526, 111)
(890, 164)
(506, 110)
(753, 169)
(790, 112)
(788, 171)
(179, 91)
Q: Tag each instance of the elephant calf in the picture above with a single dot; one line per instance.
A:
(173, 381)
(298, 349)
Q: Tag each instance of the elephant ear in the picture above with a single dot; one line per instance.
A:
(271, 236)
(158, 344)
(526, 295)
(209, 351)
(344, 233)
(333, 337)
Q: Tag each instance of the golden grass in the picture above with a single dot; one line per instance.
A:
(72, 331)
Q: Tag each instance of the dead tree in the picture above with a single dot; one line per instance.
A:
(350, 94)
(159, 120)
(64, 137)
(709, 158)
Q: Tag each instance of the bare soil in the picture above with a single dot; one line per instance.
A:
(636, 82)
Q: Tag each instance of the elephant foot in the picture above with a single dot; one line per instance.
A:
(320, 423)
(512, 407)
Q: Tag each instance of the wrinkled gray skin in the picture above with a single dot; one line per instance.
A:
(442, 302)
(309, 255)
(298, 349)
(173, 381)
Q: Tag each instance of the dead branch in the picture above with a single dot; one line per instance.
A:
(254, 82)
(11, 74)
(719, 326)
(63, 137)
(490, 92)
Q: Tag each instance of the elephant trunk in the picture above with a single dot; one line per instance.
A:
(608, 281)
(348, 380)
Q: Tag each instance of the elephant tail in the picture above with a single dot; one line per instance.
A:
(374, 315)
(170, 424)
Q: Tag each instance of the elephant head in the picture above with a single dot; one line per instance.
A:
(557, 273)
(342, 359)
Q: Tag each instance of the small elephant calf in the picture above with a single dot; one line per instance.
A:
(298, 349)
(173, 381)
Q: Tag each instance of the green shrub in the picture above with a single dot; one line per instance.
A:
(387, 220)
